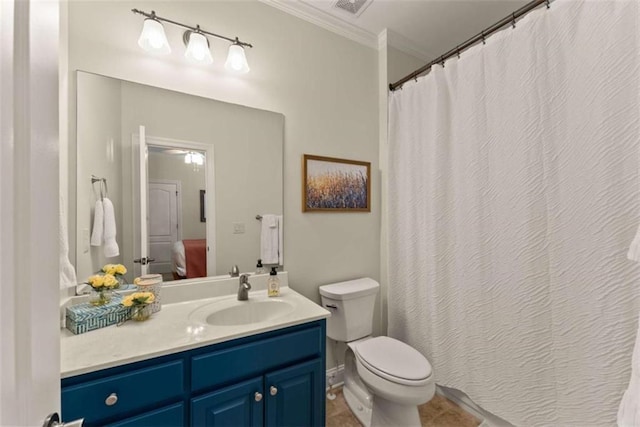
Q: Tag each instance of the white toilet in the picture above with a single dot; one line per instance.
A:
(384, 379)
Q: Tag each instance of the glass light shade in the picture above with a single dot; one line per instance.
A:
(236, 60)
(198, 49)
(153, 39)
(194, 158)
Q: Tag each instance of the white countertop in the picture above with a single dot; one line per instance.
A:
(170, 330)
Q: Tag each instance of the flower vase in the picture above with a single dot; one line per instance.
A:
(100, 297)
(140, 312)
(121, 282)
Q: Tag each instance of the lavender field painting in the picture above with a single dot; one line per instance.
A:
(335, 184)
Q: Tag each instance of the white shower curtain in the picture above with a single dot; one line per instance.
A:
(513, 197)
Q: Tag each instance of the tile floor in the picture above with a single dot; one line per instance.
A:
(439, 412)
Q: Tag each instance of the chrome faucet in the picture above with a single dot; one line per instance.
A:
(235, 272)
(243, 289)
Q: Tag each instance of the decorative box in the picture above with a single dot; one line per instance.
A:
(151, 283)
(85, 317)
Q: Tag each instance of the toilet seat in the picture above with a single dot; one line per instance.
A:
(394, 361)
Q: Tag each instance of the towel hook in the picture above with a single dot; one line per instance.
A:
(103, 181)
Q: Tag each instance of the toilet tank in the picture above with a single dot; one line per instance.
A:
(351, 305)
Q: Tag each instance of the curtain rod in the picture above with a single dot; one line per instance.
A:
(509, 20)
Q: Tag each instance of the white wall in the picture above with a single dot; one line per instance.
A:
(325, 85)
(172, 167)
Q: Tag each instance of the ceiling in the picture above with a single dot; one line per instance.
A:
(423, 28)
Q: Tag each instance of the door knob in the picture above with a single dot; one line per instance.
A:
(53, 420)
(258, 396)
(144, 260)
(273, 390)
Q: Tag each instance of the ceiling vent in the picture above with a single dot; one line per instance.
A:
(352, 7)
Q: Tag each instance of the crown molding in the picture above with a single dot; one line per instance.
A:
(325, 20)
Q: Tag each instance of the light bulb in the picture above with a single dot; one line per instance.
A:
(198, 49)
(152, 38)
(236, 59)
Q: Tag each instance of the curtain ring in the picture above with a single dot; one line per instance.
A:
(484, 40)
(458, 50)
(513, 22)
(442, 61)
(548, 4)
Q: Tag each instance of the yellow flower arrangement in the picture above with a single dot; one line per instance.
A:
(139, 303)
(103, 281)
(103, 285)
(138, 298)
(114, 269)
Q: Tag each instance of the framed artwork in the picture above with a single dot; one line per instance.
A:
(335, 185)
(203, 203)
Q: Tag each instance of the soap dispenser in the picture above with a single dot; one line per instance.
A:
(260, 268)
(273, 283)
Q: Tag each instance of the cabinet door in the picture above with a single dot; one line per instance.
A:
(295, 396)
(238, 405)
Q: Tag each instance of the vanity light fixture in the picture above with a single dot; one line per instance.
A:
(197, 47)
(153, 39)
(236, 59)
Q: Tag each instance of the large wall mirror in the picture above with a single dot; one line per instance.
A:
(188, 179)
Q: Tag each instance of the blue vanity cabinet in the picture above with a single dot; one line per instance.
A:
(237, 405)
(271, 379)
(295, 396)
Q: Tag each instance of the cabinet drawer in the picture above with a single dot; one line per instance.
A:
(255, 358)
(172, 416)
(135, 390)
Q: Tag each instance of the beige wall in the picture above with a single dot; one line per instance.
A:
(325, 85)
(247, 156)
(100, 149)
(399, 64)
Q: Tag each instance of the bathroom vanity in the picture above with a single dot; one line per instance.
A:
(191, 366)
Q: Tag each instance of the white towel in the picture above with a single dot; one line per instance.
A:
(280, 240)
(269, 239)
(67, 272)
(110, 245)
(629, 410)
(97, 234)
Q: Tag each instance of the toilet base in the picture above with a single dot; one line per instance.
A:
(358, 406)
(386, 413)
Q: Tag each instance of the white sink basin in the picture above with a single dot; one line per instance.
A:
(230, 312)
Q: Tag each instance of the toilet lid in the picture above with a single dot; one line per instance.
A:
(393, 358)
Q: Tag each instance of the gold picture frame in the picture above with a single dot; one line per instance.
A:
(335, 185)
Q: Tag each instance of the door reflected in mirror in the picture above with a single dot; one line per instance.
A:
(187, 177)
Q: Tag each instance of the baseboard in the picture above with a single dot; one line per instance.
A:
(461, 399)
(335, 376)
